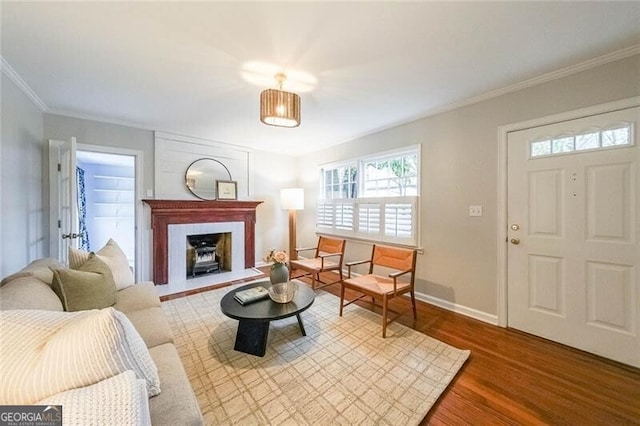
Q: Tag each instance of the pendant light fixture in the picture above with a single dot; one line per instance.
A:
(280, 108)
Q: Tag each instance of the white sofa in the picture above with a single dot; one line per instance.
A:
(176, 404)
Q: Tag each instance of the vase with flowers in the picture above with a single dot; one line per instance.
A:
(279, 272)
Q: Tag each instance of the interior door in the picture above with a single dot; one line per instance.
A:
(574, 218)
(63, 198)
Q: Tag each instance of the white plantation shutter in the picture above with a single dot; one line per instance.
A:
(324, 212)
(344, 219)
(369, 218)
(398, 221)
(386, 219)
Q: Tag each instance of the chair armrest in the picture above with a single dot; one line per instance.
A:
(399, 273)
(357, 262)
(323, 255)
(304, 249)
(395, 276)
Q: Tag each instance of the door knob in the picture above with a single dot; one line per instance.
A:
(515, 241)
(72, 235)
(515, 226)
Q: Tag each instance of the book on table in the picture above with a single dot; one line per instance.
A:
(251, 295)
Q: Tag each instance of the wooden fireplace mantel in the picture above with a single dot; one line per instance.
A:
(169, 212)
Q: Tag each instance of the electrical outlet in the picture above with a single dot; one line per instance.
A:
(475, 210)
(149, 192)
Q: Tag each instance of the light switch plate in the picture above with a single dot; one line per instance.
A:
(475, 210)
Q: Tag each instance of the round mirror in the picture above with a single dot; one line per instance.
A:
(201, 177)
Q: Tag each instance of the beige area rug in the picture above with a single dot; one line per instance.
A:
(342, 372)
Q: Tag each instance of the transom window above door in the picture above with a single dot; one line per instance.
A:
(616, 136)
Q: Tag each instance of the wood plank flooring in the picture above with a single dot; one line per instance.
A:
(512, 378)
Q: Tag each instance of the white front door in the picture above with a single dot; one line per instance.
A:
(63, 199)
(574, 231)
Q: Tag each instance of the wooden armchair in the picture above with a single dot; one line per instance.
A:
(327, 257)
(384, 287)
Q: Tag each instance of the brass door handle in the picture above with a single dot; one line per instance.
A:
(515, 241)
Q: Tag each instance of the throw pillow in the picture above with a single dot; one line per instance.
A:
(113, 256)
(77, 257)
(52, 352)
(90, 287)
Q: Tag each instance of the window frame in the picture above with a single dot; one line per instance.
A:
(342, 216)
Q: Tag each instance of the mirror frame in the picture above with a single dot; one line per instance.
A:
(214, 178)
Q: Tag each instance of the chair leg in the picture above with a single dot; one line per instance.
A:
(413, 301)
(384, 316)
(313, 280)
(341, 297)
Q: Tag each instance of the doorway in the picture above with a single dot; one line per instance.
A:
(106, 201)
(109, 201)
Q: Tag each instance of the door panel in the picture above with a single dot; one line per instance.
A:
(63, 198)
(546, 284)
(573, 258)
(546, 203)
(609, 212)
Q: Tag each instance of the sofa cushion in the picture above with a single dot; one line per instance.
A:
(90, 287)
(177, 404)
(29, 293)
(137, 297)
(119, 400)
(113, 256)
(19, 274)
(152, 325)
(51, 352)
(40, 268)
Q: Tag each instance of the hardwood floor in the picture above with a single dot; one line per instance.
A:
(512, 378)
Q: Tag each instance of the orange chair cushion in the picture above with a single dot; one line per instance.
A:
(314, 264)
(375, 284)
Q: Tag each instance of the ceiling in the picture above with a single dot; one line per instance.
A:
(177, 66)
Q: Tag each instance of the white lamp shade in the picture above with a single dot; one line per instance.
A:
(292, 198)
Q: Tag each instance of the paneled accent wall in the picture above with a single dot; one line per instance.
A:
(174, 153)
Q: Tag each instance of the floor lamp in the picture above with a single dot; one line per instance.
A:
(292, 199)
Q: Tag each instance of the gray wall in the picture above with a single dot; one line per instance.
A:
(460, 168)
(24, 222)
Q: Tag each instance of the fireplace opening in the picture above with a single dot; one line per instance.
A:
(208, 254)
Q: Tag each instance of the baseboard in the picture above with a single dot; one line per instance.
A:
(453, 307)
(458, 309)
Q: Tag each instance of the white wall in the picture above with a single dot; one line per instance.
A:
(459, 168)
(24, 222)
(269, 172)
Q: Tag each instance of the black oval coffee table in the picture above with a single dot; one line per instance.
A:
(254, 318)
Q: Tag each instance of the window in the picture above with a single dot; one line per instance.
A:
(615, 137)
(340, 182)
(373, 198)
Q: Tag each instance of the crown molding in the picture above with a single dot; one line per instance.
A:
(544, 78)
(22, 85)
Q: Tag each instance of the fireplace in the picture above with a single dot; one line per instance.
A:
(208, 254)
(173, 220)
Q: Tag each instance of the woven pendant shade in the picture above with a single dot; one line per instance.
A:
(279, 108)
